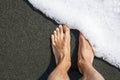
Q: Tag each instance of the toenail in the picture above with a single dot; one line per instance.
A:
(57, 29)
(60, 25)
(54, 32)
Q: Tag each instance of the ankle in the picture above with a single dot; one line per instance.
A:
(90, 73)
(63, 67)
(84, 66)
(64, 62)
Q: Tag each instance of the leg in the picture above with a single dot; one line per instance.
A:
(61, 50)
(85, 60)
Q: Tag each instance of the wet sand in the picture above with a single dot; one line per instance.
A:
(25, 51)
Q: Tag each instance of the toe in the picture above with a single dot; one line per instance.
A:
(57, 31)
(66, 29)
(52, 38)
(55, 36)
(66, 32)
(61, 29)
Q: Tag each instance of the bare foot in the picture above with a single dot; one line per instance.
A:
(85, 53)
(61, 45)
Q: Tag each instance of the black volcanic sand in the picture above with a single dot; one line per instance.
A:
(25, 51)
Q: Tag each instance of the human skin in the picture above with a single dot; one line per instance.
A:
(61, 49)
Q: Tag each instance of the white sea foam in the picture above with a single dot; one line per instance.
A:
(98, 20)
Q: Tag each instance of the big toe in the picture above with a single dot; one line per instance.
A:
(66, 29)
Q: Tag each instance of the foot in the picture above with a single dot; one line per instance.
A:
(85, 54)
(61, 46)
